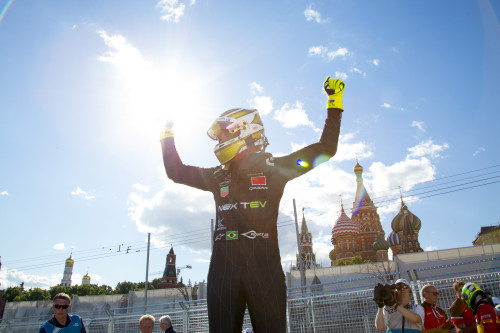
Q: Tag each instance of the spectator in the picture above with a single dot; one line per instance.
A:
(482, 307)
(399, 313)
(460, 313)
(62, 322)
(435, 320)
(146, 324)
(166, 324)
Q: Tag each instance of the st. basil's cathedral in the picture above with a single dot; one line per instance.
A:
(361, 235)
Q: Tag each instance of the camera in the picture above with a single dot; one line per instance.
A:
(384, 292)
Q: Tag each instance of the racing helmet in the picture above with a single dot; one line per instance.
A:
(469, 293)
(237, 130)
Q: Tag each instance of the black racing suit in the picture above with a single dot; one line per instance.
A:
(245, 268)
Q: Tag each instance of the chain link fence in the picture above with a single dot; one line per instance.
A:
(341, 306)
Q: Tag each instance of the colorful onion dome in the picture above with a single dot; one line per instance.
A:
(344, 226)
(404, 213)
(393, 239)
(86, 277)
(380, 244)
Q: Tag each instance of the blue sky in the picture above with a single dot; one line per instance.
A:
(85, 87)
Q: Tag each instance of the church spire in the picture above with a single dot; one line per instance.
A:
(303, 228)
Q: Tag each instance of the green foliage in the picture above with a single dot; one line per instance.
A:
(11, 293)
(124, 287)
(356, 260)
(38, 294)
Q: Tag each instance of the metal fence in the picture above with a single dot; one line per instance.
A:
(312, 309)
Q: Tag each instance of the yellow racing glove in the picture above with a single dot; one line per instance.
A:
(334, 89)
(167, 131)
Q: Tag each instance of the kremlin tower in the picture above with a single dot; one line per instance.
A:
(169, 279)
(86, 279)
(307, 255)
(68, 271)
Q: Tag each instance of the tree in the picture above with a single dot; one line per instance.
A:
(356, 260)
(156, 283)
(38, 294)
(11, 293)
(54, 290)
(141, 286)
(124, 287)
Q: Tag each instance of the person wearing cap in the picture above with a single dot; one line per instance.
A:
(435, 320)
(399, 314)
(482, 307)
(460, 313)
(245, 267)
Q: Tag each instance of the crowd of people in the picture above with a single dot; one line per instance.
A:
(474, 310)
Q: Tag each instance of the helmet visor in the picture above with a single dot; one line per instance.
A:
(228, 152)
(223, 131)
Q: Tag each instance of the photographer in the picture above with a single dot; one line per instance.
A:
(398, 314)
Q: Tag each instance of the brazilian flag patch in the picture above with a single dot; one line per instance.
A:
(231, 235)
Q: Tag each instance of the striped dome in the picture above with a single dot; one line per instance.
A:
(393, 239)
(380, 244)
(344, 226)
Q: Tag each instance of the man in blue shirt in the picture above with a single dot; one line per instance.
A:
(62, 322)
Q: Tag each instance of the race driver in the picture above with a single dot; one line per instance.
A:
(245, 267)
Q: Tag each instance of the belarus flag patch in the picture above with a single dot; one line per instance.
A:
(259, 180)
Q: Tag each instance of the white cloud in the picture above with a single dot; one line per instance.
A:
(206, 261)
(4, 193)
(386, 105)
(417, 167)
(13, 278)
(348, 150)
(323, 51)
(340, 52)
(357, 70)
(312, 15)
(479, 151)
(172, 10)
(163, 212)
(80, 192)
(125, 57)
(293, 116)
(255, 88)
(318, 50)
(427, 148)
(430, 248)
(141, 188)
(419, 125)
(341, 75)
(59, 246)
(262, 103)
(375, 62)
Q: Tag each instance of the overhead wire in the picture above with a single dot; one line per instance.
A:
(203, 235)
